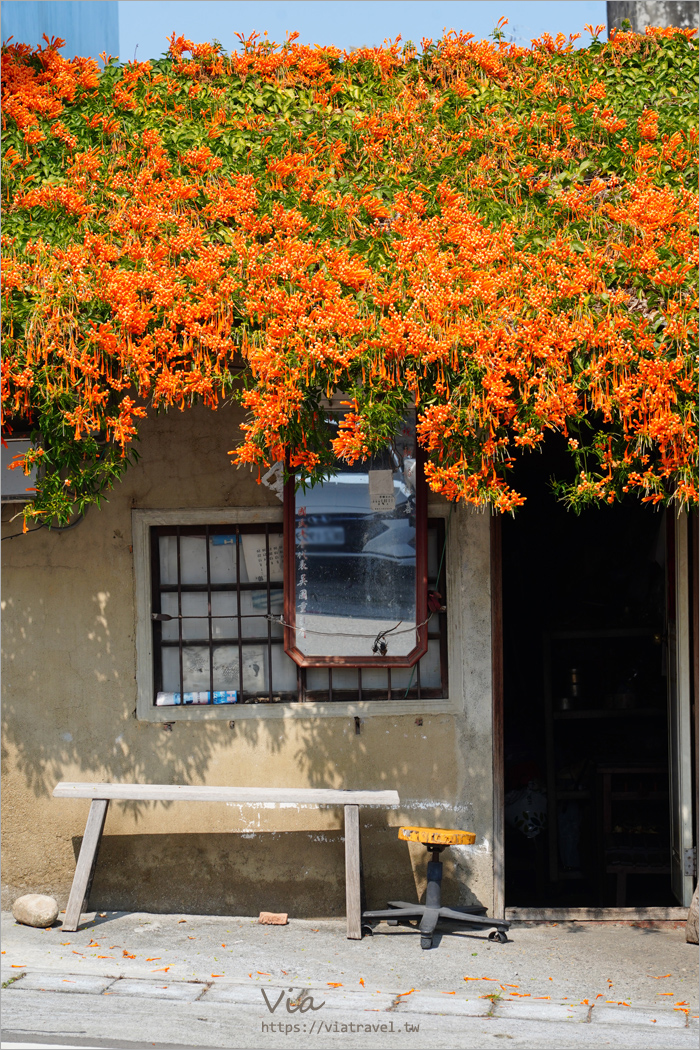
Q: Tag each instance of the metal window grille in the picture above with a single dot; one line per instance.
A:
(217, 590)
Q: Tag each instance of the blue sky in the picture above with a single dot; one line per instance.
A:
(145, 24)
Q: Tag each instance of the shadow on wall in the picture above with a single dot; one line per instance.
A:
(298, 872)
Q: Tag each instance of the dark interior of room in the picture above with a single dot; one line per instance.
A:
(585, 699)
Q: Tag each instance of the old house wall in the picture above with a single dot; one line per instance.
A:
(68, 713)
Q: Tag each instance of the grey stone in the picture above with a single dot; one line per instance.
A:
(691, 926)
(185, 991)
(63, 982)
(35, 909)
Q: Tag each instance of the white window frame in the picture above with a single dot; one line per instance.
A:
(142, 521)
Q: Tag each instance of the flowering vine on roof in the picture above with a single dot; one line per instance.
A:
(505, 236)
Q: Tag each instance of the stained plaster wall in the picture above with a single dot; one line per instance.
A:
(68, 713)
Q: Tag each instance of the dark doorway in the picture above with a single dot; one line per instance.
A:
(585, 700)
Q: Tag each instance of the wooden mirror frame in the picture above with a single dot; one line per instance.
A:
(421, 647)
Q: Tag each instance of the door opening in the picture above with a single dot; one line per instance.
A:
(588, 668)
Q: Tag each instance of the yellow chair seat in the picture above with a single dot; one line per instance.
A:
(438, 836)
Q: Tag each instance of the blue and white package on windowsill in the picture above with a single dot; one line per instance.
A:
(230, 696)
(176, 700)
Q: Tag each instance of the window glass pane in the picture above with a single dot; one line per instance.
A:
(167, 546)
(168, 605)
(171, 669)
(254, 627)
(224, 611)
(400, 677)
(255, 602)
(222, 558)
(193, 559)
(254, 669)
(195, 667)
(375, 678)
(284, 671)
(345, 678)
(316, 679)
(226, 671)
(430, 666)
(255, 555)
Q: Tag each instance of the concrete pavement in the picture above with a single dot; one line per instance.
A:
(128, 979)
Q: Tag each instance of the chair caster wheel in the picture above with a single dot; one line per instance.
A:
(367, 930)
(498, 935)
(392, 922)
(426, 942)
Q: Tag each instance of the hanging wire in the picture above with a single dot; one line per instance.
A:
(347, 634)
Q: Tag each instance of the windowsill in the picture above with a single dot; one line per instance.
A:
(309, 709)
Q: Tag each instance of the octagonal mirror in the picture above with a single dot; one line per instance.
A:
(355, 562)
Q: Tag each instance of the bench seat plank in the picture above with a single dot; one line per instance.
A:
(245, 795)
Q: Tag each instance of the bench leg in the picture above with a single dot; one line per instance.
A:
(85, 868)
(353, 882)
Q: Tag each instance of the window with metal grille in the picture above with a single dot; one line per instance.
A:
(217, 594)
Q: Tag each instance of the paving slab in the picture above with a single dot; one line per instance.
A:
(445, 1006)
(619, 1015)
(180, 990)
(541, 1011)
(56, 982)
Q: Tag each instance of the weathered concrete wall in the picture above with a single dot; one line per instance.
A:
(69, 714)
(643, 13)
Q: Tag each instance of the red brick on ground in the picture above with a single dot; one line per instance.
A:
(271, 918)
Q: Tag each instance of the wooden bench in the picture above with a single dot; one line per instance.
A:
(102, 794)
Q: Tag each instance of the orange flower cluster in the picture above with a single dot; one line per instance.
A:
(503, 236)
